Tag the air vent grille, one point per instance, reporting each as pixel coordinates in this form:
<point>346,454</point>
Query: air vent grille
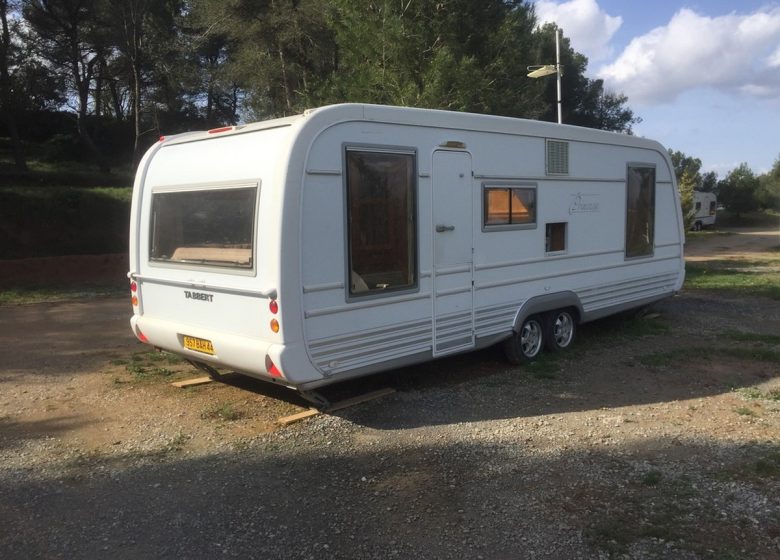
<point>557,157</point>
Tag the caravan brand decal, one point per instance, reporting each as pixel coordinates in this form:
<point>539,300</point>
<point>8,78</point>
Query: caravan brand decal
<point>584,203</point>
<point>198,295</point>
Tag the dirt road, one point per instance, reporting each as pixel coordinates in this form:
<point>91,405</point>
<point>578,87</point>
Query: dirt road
<point>732,243</point>
<point>654,437</point>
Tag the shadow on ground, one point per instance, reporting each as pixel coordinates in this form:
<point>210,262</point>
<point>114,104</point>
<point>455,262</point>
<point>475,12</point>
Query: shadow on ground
<point>451,500</point>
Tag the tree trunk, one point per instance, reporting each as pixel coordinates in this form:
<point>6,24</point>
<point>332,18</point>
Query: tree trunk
<point>119,112</point>
<point>6,95</point>
<point>82,75</point>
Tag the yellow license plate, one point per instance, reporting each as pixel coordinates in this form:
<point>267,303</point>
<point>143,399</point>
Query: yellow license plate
<point>198,344</point>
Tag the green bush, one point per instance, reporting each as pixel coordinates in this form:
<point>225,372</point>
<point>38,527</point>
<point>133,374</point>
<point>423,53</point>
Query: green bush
<point>50,221</point>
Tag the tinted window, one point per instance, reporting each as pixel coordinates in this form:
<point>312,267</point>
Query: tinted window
<point>640,211</point>
<point>381,221</point>
<point>204,227</point>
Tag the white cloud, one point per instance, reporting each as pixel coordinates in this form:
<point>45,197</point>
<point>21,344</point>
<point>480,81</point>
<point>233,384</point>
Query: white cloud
<point>736,53</point>
<point>587,26</point>
<point>774,59</point>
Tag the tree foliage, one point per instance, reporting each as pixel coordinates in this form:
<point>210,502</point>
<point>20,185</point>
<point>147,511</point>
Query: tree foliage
<point>768,192</point>
<point>142,67</point>
<point>683,163</point>
<point>737,191</point>
<point>686,185</point>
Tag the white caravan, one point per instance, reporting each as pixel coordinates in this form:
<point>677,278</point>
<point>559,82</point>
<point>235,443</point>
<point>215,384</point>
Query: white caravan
<point>357,238</point>
<point>705,206</point>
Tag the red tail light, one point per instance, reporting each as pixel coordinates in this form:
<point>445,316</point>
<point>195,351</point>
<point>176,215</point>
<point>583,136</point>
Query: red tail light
<point>142,337</point>
<point>271,368</point>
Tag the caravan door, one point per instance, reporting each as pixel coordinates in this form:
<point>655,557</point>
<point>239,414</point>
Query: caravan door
<point>453,288</point>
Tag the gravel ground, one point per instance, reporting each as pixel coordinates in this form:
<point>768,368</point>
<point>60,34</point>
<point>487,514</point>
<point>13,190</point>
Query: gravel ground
<point>654,437</point>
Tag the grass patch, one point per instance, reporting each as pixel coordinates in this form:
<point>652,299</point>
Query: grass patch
<point>754,393</point>
<point>758,354</point>
<point>743,282</point>
<point>756,470</point>
<point>623,326</point>
<point>150,365</point>
<point>682,355</point>
<point>544,367</point>
<point>652,478</point>
<point>223,411</point>
<point>23,296</point>
<point>753,337</point>
<point>659,359</point>
<point>52,221</point>
<point>745,411</point>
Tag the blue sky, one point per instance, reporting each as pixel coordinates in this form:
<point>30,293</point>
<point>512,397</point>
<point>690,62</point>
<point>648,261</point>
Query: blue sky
<point>704,75</point>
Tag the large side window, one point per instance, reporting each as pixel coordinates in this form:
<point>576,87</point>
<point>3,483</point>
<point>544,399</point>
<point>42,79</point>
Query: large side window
<point>509,206</point>
<point>640,211</point>
<point>381,221</point>
<point>204,227</point>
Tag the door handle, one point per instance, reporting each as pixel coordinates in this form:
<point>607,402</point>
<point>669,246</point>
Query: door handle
<point>442,228</point>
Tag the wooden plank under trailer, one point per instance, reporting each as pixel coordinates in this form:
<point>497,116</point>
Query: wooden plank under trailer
<point>322,404</point>
<point>341,405</point>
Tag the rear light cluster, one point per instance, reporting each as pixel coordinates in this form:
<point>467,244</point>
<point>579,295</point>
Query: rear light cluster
<point>270,366</point>
<point>134,300</point>
<point>273,306</point>
<point>134,293</point>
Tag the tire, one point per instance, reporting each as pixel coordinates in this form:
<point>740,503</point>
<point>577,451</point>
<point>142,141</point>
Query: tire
<point>525,344</point>
<point>697,226</point>
<point>560,330</point>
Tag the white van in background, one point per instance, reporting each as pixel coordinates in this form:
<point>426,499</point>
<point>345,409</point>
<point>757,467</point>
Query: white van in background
<point>705,207</point>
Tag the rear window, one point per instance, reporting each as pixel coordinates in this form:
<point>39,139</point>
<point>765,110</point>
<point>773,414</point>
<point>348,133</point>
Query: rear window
<point>213,227</point>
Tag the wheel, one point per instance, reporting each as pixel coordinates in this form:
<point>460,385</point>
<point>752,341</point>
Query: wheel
<point>560,330</point>
<point>697,226</point>
<point>525,344</point>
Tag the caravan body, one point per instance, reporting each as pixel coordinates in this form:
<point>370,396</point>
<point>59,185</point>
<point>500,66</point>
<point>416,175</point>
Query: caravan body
<point>357,238</point>
<point>705,207</point>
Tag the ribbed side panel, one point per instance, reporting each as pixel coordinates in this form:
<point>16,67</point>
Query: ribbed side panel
<point>626,291</point>
<point>342,353</point>
<point>454,331</point>
<point>496,319</point>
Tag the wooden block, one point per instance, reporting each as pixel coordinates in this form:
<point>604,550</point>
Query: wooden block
<point>191,382</point>
<point>346,403</point>
<point>287,420</point>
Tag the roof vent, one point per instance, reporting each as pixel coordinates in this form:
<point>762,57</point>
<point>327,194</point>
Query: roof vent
<point>557,157</point>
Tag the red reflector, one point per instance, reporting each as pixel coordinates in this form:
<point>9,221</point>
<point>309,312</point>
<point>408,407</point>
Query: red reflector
<point>133,287</point>
<point>162,138</point>
<point>142,337</point>
<point>271,368</point>
<point>274,307</point>
<point>221,129</point>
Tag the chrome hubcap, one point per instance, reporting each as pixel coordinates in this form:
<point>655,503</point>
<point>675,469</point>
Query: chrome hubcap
<point>563,329</point>
<point>531,339</point>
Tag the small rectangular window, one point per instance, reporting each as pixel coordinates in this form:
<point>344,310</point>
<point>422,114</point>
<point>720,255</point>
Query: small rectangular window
<point>381,221</point>
<point>640,211</point>
<point>509,206</point>
<point>698,206</point>
<point>555,237</point>
<point>206,227</point>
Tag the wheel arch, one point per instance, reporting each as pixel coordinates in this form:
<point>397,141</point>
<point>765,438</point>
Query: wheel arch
<point>548,302</point>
